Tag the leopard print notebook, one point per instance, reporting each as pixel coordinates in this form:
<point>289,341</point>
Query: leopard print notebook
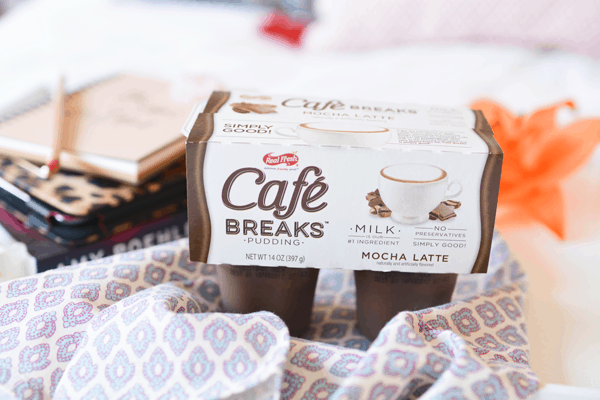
<point>82,195</point>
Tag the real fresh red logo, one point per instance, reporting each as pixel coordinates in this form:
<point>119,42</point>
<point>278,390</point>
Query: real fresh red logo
<point>288,159</point>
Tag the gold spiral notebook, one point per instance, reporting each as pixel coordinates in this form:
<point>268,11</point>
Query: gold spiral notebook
<point>126,128</point>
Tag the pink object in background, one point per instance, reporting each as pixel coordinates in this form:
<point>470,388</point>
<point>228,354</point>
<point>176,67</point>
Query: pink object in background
<point>535,24</point>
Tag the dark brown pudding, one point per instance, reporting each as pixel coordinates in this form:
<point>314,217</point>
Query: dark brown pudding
<point>382,295</point>
<point>286,292</point>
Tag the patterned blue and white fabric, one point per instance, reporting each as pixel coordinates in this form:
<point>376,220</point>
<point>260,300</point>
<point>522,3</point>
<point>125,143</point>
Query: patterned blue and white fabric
<point>146,325</point>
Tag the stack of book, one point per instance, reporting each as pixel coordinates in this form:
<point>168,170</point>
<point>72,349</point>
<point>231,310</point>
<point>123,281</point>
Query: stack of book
<point>121,183</point>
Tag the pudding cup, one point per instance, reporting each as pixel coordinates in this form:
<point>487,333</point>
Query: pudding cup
<point>287,292</point>
<point>380,296</point>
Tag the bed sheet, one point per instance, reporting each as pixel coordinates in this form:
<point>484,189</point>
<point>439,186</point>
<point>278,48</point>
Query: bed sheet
<point>147,324</point>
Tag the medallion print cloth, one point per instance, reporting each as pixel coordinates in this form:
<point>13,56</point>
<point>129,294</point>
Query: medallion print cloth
<point>146,325</point>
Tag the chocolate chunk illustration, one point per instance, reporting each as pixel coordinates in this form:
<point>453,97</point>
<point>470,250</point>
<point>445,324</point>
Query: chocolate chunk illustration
<point>448,217</point>
<point>246,96</point>
<point>255,108</point>
<point>372,195</point>
<point>442,212</point>
<point>452,203</point>
<point>263,108</point>
<point>383,211</point>
<point>374,200</point>
<point>240,110</point>
<point>377,206</point>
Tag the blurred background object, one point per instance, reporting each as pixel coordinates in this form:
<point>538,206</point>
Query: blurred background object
<point>544,25</point>
<point>539,155</point>
<point>5,5</point>
<point>15,261</point>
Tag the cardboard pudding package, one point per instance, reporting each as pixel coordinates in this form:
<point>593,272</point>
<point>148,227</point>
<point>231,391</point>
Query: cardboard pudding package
<point>281,186</point>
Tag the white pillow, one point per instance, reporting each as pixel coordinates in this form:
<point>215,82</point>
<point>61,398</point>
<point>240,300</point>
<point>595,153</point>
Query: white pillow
<point>570,25</point>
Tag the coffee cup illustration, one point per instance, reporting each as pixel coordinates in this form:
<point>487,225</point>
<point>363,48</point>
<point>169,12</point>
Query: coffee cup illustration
<point>411,191</point>
<point>339,133</point>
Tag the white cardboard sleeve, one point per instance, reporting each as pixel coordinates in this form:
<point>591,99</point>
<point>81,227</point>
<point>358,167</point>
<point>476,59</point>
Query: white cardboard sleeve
<point>296,181</point>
